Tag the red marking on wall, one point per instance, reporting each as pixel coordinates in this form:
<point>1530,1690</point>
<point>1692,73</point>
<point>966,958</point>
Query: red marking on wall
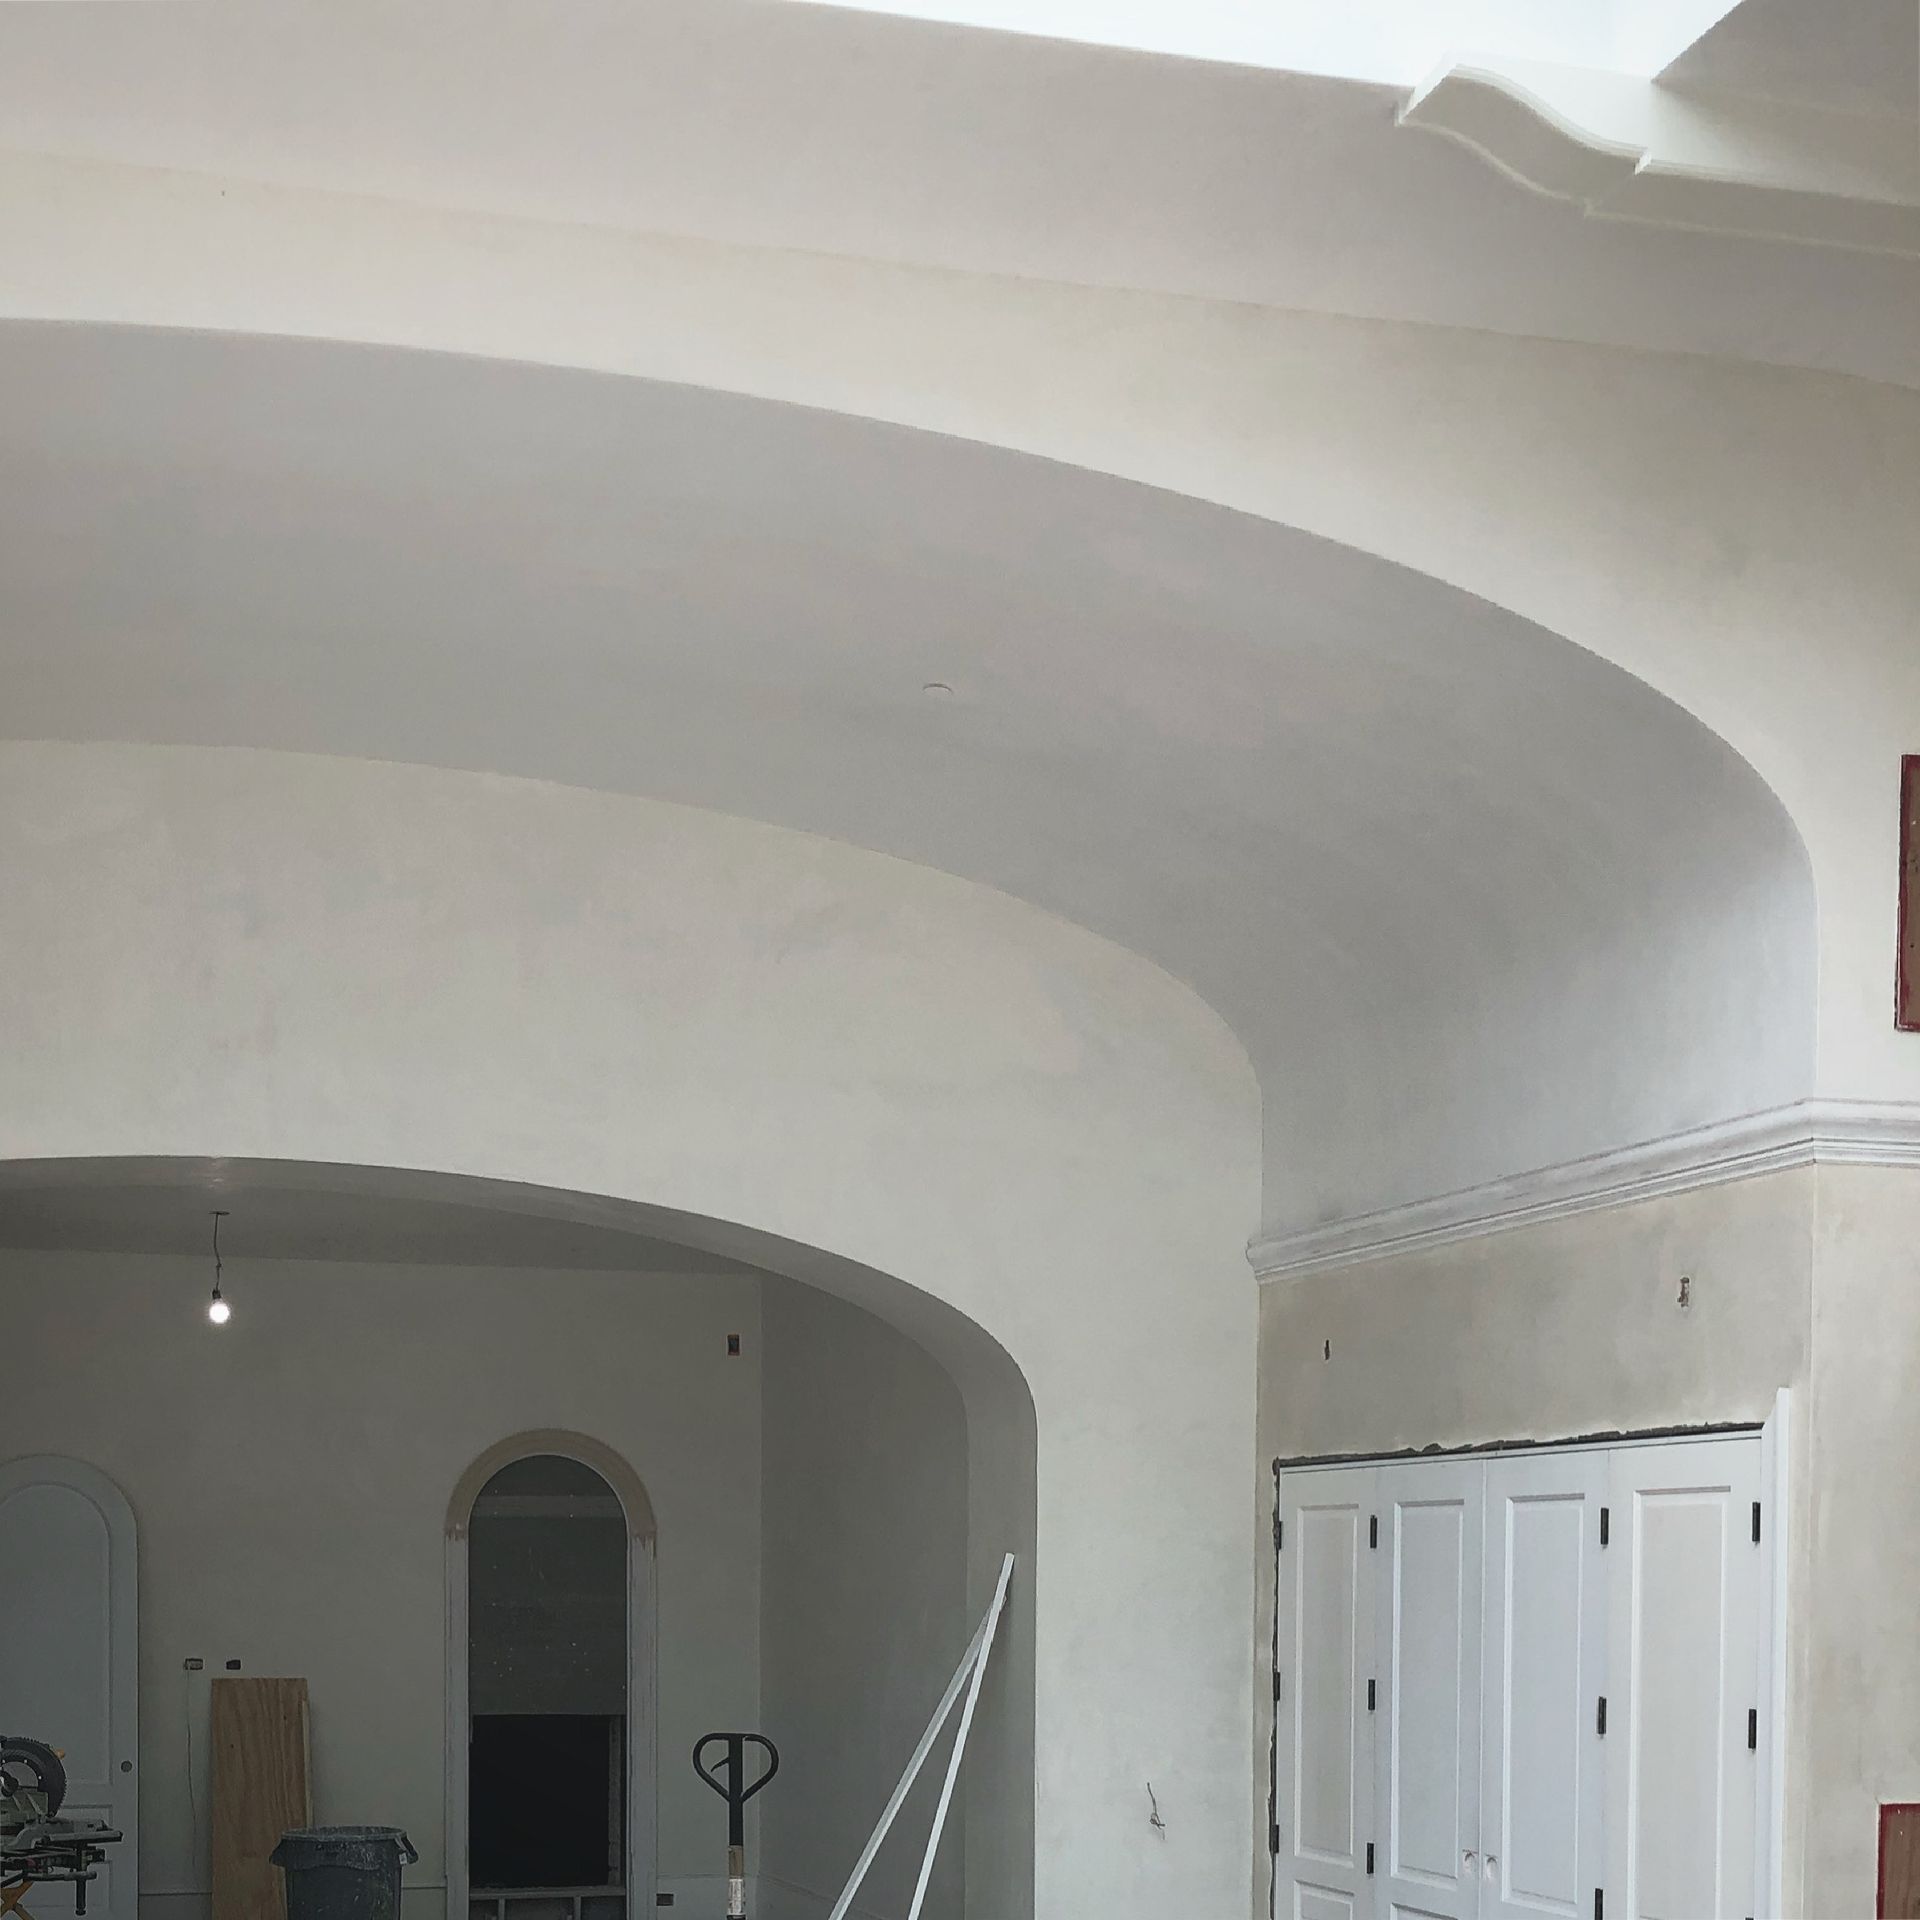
<point>1906,992</point>
<point>1897,1877</point>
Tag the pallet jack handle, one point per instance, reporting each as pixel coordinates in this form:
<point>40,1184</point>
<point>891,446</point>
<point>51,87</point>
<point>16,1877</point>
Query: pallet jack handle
<point>736,1790</point>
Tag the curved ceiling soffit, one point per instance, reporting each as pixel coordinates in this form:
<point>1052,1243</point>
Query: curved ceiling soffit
<point>1407,844</point>
<point>290,1192</point>
<point>395,278</point>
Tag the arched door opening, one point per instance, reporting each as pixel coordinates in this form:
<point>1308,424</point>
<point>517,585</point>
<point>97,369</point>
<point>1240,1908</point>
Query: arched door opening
<point>69,1672</point>
<point>550,1696</point>
<point>464,1406</point>
<point>547,1690</point>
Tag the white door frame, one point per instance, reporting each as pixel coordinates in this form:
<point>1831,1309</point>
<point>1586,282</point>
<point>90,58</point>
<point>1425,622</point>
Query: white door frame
<point>1776,1485</point>
<point>642,1870</point>
<point>123,1625</point>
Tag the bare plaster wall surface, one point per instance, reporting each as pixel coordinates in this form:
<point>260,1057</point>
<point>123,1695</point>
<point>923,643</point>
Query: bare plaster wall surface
<point>231,953</point>
<point>1546,1332</point>
<point>1863,1684</point>
<point>290,1475</point>
<point>865,1608</point>
<point>1568,1327</point>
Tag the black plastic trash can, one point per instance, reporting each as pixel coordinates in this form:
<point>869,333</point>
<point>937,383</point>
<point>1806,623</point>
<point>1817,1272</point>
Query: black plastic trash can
<point>343,1873</point>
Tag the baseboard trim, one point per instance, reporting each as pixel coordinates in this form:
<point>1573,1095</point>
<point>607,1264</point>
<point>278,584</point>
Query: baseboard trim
<point>786,1900</point>
<point>1824,1132</point>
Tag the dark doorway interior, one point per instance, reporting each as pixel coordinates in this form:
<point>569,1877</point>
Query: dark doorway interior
<point>547,1687</point>
<point>547,1794</point>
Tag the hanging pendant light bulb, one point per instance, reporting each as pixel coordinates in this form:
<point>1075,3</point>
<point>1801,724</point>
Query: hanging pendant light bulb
<point>217,1309</point>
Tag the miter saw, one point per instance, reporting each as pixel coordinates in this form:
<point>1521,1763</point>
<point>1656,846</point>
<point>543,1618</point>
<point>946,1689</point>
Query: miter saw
<point>36,1844</point>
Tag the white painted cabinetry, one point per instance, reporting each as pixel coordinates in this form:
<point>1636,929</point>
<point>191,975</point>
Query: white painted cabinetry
<point>1517,1686</point>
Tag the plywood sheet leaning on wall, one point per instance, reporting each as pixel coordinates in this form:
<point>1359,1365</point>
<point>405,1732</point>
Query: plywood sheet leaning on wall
<point>261,1788</point>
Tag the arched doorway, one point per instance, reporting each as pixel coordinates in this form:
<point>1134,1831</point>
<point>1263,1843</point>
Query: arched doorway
<point>875,1449</point>
<point>69,1640</point>
<point>551,1761</point>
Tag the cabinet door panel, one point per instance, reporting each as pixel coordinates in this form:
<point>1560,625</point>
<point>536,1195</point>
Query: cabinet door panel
<point>1427,1738</point>
<point>1544,1782</point>
<point>1325,1752</point>
<point>1686,1584</point>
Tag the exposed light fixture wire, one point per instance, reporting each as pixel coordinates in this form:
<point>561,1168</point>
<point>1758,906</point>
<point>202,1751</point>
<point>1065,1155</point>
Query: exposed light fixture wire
<point>217,1309</point>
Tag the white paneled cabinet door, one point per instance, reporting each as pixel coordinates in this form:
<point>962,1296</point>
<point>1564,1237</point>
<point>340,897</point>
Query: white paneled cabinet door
<point>69,1654</point>
<point>1427,1727</point>
<point>1325,1749</point>
<point>1686,1581</point>
<point>1544,1787</point>
<point>1427,1763</point>
<point>1537,1697</point>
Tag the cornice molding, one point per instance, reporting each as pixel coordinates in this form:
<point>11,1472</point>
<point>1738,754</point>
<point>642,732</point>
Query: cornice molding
<point>1674,161</point>
<point>1822,1132</point>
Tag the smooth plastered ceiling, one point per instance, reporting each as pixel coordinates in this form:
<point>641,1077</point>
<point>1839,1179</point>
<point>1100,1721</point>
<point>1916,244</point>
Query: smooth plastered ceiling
<point>1453,881</point>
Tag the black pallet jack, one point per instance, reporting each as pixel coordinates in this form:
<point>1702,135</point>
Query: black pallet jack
<point>735,1790</point>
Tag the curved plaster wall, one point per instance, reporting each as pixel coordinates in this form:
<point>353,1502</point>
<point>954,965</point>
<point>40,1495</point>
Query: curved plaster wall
<point>1737,537</point>
<point>1473,899</point>
<point>269,955</point>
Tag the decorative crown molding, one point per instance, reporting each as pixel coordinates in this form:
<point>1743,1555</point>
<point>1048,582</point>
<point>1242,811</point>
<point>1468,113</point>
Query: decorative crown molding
<point>1628,149</point>
<point>1824,1132</point>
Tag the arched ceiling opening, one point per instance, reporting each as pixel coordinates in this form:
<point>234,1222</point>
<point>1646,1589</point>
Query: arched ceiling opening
<point>320,1211</point>
<point>1473,899</point>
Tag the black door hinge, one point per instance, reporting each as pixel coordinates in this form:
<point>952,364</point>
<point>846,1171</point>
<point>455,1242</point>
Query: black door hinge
<point>1606,1518</point>
<point>1600,1718</point>
<point>1279,1533</point>
<point>1373,1529</point>
<point>1369,1856</point>
<point>1756,1523</point>
<point>1273,1839</point>
<point>1370,1705</point>
<point>1753,1729</point>
<point>1599,1904</point>
<point>1276,1686</point>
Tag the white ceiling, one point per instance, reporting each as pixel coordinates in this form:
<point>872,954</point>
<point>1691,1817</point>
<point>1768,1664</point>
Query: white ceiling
<point>1399,42</point>
<point>764,123</point>
<point>1848,56</point>
<point>1472,898</point>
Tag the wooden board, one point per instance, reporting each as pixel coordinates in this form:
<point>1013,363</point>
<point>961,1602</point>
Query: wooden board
<point>1899,1862</point>
<point>260,1790</point>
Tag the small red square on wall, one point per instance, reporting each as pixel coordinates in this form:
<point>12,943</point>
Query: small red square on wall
<point>1906,991</point>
